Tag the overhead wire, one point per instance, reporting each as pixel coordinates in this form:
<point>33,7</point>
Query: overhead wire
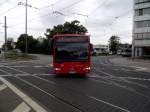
<point>71,5</point>
<point>59,10</point>
<point>104,2</point>
<point>49,6</point>
<point>115,17</point>
<point>2,3</point>
<point>43,8</point>
<point>52,10</point>
<point>9,10</point>
<point>102,5</point>
<point>66,8</point>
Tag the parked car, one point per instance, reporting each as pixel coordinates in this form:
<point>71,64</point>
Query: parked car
<point>119,52</point>
<point>17,50</point>
<point>127,52</point>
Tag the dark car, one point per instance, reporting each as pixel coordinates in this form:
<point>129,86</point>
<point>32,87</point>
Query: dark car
<point>126,52</point>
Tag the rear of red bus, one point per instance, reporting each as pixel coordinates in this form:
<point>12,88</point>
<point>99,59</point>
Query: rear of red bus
<point>71,54</point>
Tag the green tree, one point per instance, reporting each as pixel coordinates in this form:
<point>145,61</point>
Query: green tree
<point>9,44</point>
<point>72,27</point>
<point>43,46</point>
<point>114,43</point>
<point>21,42</point>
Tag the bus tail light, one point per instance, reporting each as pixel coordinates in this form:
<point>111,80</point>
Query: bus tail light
<point>57,69</point>
<point>87,68</point>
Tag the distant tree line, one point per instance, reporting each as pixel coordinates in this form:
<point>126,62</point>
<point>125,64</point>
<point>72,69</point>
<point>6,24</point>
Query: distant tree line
<point>43,45</point>
<point>39,45</point>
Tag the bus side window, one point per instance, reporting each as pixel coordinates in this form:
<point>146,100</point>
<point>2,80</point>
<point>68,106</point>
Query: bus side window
<point>51,46</point>
<point>91,49</point>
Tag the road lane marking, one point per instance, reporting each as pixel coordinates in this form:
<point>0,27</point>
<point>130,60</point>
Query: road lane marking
<point>141,69</point>
<point>4,72</point>
<point>28,74</point>
<point>108,82</point>
<point>17,70</point>
<point>135,78</point>
<point>137,68</point>
<point>122,86</point>
<point>120,79</point>
<point>23,96</point>
<point>111,76</point>
<point>15,62</point>
<point>37,66</point>
<point>52,82</point>
<point>25,66</point>
<point>38,74</point>
<point>2,87</point>
<point>54,96</point>
<point>23,107</point>
<point>128,88</point>
<point>134,83</point>
<point>24,71</point>
<point>49,94</point>
<point>107,103</point>
<point>108,77</point>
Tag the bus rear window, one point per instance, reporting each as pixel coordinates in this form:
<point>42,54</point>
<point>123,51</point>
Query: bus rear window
<point>72,39</point>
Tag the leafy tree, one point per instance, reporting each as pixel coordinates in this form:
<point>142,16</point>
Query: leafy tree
<point>31,43</point>
<point>9,44</point>
<point>44,45</point>
<point>72,27</point>
<point>114,43</point>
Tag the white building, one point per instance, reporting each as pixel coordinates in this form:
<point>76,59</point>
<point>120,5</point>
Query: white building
<point>141,28</point>
<point>101,49</point>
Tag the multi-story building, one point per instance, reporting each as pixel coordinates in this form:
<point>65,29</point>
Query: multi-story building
<point>100,49</point>
<point>141,28</point>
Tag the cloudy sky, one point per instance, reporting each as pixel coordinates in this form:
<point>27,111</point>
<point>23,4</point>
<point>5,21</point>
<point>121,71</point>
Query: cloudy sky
<point>102,18</point>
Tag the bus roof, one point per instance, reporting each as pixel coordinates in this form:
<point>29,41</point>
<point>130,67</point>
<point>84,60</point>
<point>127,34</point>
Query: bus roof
<point>59,35</point>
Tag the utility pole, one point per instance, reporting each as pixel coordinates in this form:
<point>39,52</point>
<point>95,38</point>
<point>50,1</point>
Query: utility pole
<point>26,22</point>
<point>5,28</point>
<point>26,25</point>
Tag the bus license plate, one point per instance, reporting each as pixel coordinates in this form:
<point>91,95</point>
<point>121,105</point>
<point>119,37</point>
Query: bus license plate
<point>72,72</point>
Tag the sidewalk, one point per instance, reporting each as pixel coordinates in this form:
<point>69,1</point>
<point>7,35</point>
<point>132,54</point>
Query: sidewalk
<point>9,100</point>
<point>139,63</point>
<point>14,100</point>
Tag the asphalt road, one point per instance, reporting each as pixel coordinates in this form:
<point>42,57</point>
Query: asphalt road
<point>108,88</point>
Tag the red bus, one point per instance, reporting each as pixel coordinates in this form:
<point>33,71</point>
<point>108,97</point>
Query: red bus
<point>71,54</point>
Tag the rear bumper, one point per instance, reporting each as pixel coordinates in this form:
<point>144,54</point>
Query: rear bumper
<point>72,68</point>
<point>59,72</point>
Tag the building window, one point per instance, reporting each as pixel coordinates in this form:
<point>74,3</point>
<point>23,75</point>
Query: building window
<point>142,24</point>
<point>141,36</point>
<point>140,12</point>
<point>145,35</point>
<point>141,1</point>
<point>146,11</point>
<point>148,35</point>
